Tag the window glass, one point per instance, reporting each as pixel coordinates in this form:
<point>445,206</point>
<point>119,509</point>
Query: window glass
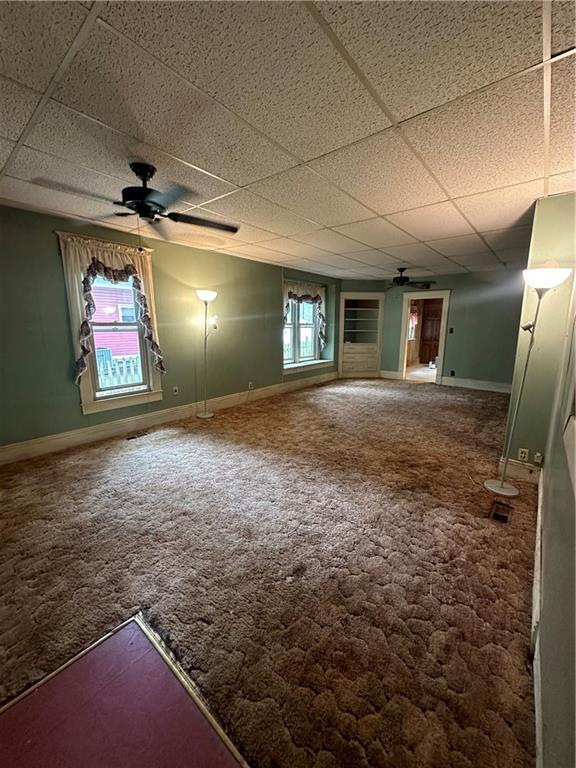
<point>307,313</point>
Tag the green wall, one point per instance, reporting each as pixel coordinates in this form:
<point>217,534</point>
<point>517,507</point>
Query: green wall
<point>37,393</point>
<point>558,593</point>
<point>484,312</point>
<point>553,238</point>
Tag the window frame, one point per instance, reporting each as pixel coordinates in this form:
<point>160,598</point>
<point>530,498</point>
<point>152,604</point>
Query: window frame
<point>295,326</point>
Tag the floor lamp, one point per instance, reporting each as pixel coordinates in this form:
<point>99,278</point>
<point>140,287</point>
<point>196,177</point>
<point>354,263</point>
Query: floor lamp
<point>541,280</point>
<point>209,326</point>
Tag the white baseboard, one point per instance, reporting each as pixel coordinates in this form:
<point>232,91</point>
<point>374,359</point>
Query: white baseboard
<point>59,442</point>
<point>390,375</point>
<point>488,386</point>
<point>521,470</point>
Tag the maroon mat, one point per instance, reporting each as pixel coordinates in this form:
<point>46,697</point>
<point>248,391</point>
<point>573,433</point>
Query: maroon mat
<point>118,706</point>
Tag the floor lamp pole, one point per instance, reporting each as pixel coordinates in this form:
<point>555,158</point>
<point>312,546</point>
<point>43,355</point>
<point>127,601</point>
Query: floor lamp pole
<point>205,414</point>
<point>500,486</point>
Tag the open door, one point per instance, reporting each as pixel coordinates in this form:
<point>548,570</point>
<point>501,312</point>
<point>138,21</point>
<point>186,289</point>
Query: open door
<point>422,341</point>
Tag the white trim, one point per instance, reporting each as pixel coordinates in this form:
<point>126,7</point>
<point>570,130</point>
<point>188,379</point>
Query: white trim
<point>521,470</point>
<point>407,297</point>
<point>59,442</point>
<point>379,295</point>
<point>121,401</point>
<point>488,386</point>
<point>390,375</point>
<point>309,366</point>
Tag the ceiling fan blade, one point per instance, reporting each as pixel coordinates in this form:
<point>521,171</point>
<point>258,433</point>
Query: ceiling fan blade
<point>184,218</point>
<point>58,187</point>
<point>128,213</point>
<point>160,226</point>
<point>170,197</point>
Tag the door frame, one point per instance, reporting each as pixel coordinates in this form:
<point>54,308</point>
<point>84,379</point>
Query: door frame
<point>360,295</point>
<point>407,297</point>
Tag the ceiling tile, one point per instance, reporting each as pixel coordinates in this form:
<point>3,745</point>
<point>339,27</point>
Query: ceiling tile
<point>448,269</point>
<point>473,259</point>
<point>563,25</point>
<point>492,267</point>
<point>200,237</point>
<point>421,54</point>
<point>274,66</point>
<point>60,202</point>
<point>5,148</point>
<point>118,83</point>
<point>17,103</point>
<point>416,252</point>
<point>506,239</point>
<point>62,132</point>
<point>382,173</point>
<point>296,249</point>
<point>375,232</point>
<point>487,139</point>
<point>563,116</point>
<point>335,260</point>
<point>259,252</point>
<point>374,258</point>
<point>245,206</point>
<point>246,233</point>
<point>304,192</point>
<point>54,173</point>
<point>432,222</point>
<point>329,241</point>
<point>34,38</point>
<point>459,246</point>
<point>563,182</point>
<point>502,208</point>
<point>517,258</point>
<point>375,272</point>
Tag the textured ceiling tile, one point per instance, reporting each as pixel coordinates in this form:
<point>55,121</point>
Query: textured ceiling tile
<point>244,206</point>
<point>503,208</point>
<point>268,61</point>
<point>495,266</point>
<point>118,83</point>
<point>416,252</point>
<point>458,246</point>
<point>259,252</point>
<point>5,149</point>
<point>34,38</point>
<point>296,249</point>
<point>487,139</point>
<point>563,25</point>
<point>432,222</point>
<point>563,182</point>
<point>563,116</point>
<point>304,192</point>
<point>199,237</point>
<point>329,241</point>
<point>517,258</point>
<point>506,239</point>
<point>448,269</point>
<point>421,54</point>
<point>71,136</point>
<point>53,173</point>
<point>60,202</point>
<point>382,173</point>
<point>375,258</point>
<point>375,232</point>
<point>473,259</point>
<point>335,260</point>
<point>17,104</point>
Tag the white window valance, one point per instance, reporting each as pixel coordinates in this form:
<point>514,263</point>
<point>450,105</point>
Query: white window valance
<point>84,259</point>
<point>308,293</point>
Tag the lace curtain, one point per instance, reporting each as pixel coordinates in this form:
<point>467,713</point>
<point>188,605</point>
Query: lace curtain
<point>308,293</point>
<point>84,260</point>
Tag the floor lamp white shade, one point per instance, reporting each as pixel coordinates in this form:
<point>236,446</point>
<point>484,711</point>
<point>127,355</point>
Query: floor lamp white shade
<point>541,279</point>
<point>206,297</point>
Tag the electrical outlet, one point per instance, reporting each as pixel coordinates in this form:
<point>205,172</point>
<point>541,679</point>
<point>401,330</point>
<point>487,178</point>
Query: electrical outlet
<point>174,390</point>
<point>523,454</point>
<point>250,385</point>
<point>538,458</point>
<point>452,373</point>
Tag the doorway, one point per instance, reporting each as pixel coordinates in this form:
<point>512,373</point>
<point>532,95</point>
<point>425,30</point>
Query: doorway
<point>424,319</point>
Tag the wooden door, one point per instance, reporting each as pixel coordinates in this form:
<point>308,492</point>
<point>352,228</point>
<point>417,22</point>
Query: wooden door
<point>430,334</point>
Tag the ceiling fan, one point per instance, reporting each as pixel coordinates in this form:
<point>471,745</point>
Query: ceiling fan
<point>146,203</point>
<point>152,205</point>
<point>402,279</point>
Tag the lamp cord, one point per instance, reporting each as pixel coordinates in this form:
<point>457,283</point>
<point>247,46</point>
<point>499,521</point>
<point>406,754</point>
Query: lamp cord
<point>532,332</point>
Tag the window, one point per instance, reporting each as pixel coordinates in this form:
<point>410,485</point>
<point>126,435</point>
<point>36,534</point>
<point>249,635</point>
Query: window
<point>301,333</point>
<point>119,363</point>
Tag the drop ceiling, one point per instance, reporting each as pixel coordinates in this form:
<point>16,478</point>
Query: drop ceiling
<point>346,139</point>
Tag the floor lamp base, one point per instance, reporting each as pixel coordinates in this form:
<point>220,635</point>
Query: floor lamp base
<point>205,415</point>
<point>504,489</point>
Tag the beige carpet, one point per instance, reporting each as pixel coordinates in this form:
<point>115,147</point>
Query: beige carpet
<point>321,563</point>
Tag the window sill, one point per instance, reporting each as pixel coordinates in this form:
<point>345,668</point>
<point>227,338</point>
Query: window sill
<point>122,401</point>
<point>310,365</point>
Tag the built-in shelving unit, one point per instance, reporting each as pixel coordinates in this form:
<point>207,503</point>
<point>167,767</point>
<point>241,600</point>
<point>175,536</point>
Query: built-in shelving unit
<point>360,334</point>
